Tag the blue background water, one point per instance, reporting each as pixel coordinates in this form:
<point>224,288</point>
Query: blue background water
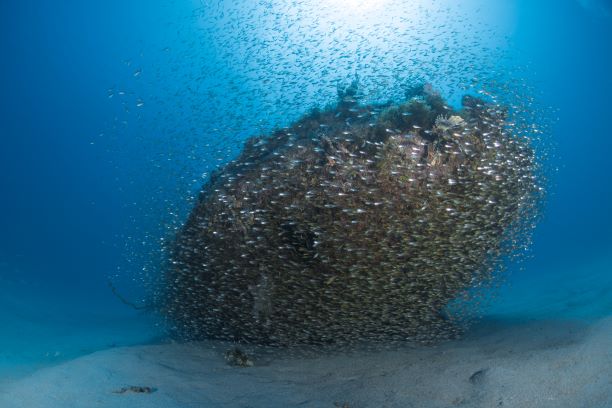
<point>80,194</point>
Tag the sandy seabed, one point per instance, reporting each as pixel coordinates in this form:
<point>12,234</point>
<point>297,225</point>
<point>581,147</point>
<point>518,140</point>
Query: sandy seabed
<point>499,364</point>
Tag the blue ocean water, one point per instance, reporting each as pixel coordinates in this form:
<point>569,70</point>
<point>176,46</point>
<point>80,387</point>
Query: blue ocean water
<point>113,114</point>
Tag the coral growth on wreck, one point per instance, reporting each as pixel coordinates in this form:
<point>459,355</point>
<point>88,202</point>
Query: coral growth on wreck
<point>356,223</point>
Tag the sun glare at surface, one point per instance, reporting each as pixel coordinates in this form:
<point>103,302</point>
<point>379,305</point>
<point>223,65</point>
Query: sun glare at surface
<point>359,5</point>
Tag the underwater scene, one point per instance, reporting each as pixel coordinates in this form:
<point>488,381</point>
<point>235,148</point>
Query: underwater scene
<point>305,203</point>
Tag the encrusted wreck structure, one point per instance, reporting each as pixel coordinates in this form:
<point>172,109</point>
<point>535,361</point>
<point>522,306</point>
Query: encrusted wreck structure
<point>356,223</point>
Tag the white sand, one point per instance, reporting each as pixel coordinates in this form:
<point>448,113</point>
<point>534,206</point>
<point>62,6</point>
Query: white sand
<point>41,325</point>
<point>537,364</point>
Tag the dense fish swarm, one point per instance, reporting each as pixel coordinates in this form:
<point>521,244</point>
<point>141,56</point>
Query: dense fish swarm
<point>356,223</point>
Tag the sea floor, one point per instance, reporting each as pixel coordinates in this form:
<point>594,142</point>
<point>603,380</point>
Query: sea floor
<point>44,325</point>
<point>549,347</point>
<point>500,364</point>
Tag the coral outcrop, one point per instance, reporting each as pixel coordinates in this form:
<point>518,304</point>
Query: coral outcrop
<point>356,223</point>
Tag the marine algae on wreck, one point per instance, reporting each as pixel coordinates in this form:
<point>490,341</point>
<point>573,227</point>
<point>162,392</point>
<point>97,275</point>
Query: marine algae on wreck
<point>356,223</point>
